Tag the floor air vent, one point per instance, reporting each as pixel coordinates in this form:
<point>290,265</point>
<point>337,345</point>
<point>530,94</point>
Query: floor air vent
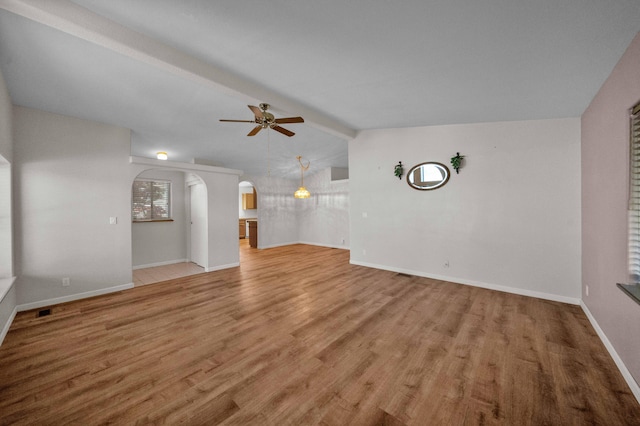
<point>400,274</point>
<point>44,312</point>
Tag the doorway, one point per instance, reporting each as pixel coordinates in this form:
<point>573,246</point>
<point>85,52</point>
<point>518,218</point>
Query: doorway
<point>173,244</point>
<point>248,213</point>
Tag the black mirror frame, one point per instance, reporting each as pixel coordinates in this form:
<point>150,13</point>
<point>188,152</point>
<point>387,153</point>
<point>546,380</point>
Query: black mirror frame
<point>443,183</point>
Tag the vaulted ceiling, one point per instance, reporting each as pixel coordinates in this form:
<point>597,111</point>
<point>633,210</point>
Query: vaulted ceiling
<point>169,70</point>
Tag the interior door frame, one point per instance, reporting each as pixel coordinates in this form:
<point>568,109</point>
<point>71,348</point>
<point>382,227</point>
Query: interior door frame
<point>193,181</point>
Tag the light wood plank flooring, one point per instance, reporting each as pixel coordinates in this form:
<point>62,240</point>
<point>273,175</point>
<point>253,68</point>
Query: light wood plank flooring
<point>298,336</point>
<point>157,274</point>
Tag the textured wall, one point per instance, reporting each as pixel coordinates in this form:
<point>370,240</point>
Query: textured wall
<point>323,219</point>
<point>277,216</point>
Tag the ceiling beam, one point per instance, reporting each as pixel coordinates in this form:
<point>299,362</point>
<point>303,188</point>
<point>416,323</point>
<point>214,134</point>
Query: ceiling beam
<point>80,22</point>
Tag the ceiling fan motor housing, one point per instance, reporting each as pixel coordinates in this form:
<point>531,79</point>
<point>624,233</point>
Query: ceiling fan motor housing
<point>267,120</point>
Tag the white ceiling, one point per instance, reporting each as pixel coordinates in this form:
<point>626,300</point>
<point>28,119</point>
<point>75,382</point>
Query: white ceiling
<point>169,70</point>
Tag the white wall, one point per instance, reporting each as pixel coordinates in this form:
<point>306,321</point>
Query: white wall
<point>6,156</point>
<point>605,185</point>
<point>163,242</point>
<point>71,176</point>
<point>6,122</point>
<point>323,219</point>
<point>510,220</point>
<point>222,193</point>
<point>7,289</point>
<point>6,231</point>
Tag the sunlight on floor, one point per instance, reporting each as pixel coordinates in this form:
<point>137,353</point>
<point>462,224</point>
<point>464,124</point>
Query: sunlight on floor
<point>176,270</point>
<point>166,272</point>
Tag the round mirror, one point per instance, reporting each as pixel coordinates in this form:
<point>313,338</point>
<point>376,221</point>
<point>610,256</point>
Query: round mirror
<point>427,176</point>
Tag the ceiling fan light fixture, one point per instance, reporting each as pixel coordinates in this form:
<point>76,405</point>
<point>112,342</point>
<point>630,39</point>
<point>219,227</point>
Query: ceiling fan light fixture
<point>161,155</point>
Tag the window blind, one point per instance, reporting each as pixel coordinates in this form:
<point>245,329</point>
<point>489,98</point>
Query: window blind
<point>151,200</point>
<point>634,196</point>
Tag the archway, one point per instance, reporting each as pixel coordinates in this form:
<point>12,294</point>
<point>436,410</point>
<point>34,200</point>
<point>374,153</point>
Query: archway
<point>169,226</point>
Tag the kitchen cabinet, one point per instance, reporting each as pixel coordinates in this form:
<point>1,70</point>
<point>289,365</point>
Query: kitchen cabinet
<point>250,200</point>
<point>243,228</point>
<point>253,233</point>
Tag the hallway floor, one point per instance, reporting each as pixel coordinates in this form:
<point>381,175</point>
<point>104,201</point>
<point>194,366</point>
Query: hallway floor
<point>166,272</point>
<point>175,270</point>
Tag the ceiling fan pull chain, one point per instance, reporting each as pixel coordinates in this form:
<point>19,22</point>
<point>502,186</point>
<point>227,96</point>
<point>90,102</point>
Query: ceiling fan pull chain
<point>268,152</point>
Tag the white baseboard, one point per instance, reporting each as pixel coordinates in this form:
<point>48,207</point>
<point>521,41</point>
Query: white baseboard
<point>342,247</point>
<point>167,262</point>
<point>72,297</point>
<point>220,267</point>
<point>518,291</point>
<point>633,385</point>
<point>7,325</point>
<point>277,245</point>
<point>306,243</point>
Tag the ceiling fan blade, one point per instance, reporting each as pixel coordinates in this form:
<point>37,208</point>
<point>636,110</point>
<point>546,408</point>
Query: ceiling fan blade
<point>256,111</point>
<point>290,120</point>
<point>283,131</point>
<point>254,131</point>
<point>238,121</point>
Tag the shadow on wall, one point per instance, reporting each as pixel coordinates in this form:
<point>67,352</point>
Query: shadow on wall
<point>6,237</point>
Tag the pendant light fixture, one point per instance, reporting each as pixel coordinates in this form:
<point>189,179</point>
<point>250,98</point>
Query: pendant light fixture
<point>302,192</point>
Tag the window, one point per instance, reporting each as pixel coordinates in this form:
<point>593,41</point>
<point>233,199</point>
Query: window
<point>634,196</point>
<point>151,200</point>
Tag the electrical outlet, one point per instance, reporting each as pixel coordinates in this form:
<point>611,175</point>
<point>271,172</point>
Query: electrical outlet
<point>446,263</point>
<point>586,289</point>
<point>66,282</point>
<point>113,220</point>
<point>343,241</point>
<point>364,252</point>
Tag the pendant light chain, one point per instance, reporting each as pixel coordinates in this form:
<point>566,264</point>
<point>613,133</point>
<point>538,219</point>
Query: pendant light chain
<point>268,152</point>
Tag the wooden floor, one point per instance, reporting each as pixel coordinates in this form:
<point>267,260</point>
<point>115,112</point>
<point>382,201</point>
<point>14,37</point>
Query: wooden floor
<point>156,274</point>
<point>298,336</point>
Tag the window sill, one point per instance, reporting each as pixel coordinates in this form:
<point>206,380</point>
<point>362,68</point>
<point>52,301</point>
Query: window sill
<point>5,286</point>
<point>152,220</point>
<point>631,290</point>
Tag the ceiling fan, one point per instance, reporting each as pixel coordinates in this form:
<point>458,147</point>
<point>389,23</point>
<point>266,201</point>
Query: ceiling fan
<point>265,120</point>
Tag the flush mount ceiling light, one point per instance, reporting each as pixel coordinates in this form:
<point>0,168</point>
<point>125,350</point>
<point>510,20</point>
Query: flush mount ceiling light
<point>302,191</point>
<point>161,155</point>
